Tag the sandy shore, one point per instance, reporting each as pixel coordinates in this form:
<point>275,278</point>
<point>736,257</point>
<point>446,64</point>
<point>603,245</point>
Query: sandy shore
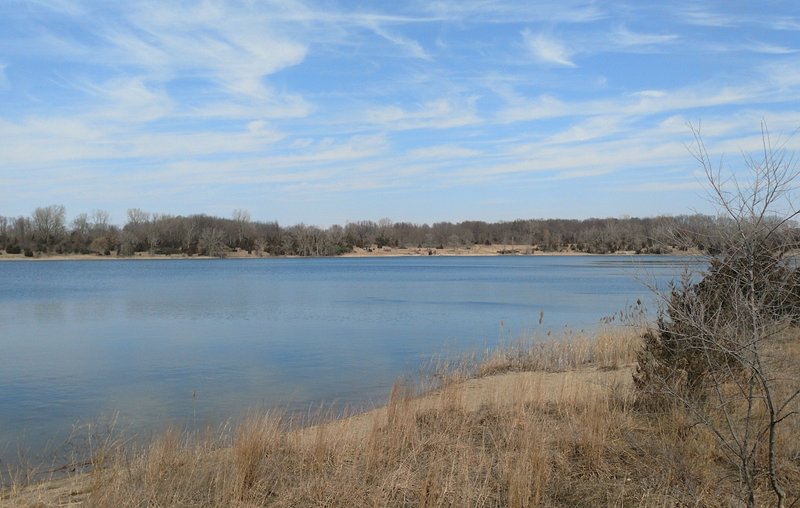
<point>537,388</point>
<point>464,251</point>
<point>470,250</point>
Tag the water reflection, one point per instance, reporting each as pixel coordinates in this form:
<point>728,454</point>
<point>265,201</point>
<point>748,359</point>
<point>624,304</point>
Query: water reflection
<point>48,311</point>
<point>82,341</point>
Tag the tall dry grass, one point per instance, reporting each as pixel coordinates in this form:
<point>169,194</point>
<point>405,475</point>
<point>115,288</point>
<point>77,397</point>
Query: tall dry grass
<point>533,424</point>
<point>606,348</point>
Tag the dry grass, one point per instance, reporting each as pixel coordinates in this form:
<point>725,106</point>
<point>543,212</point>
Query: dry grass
<point>608,348</point>
<point>532,425</point>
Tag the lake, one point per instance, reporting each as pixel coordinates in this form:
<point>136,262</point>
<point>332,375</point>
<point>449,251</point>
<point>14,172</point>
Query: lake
<point>194,342</point>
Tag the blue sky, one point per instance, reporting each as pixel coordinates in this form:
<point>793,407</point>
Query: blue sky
<point>326,112</point>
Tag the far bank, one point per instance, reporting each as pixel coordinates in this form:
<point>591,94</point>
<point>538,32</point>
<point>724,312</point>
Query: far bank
<point>356,252</point>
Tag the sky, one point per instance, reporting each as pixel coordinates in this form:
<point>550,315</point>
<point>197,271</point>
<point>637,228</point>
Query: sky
<point>325,112</point>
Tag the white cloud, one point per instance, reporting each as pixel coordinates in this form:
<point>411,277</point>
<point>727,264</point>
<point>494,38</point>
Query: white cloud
<point>770,49</point>
<point>237,49</point>
<point>64,6</point>
<point>589,129</point>
<point>624,38</point>
<point>520,109</point>
<point>228,51</point>
<point>775,84</point>
<point>542,160</point>
<point>442,152</point>
<point>650,93</point>
<point>411,46</point>
<point>785,23</point>
<point>277,106</point>
<point>566,11</point>
<point>130,100</point>
<point>261,129</point>
<point>242,92</point>
<point>649,187</point>
<point>705,17</point>
<point>546,49</point>
<point>437,114</point>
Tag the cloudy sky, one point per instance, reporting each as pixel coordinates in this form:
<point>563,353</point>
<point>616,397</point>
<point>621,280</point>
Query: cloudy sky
<point>422,111</point>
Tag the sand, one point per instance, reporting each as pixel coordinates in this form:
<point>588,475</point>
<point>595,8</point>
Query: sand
<point>540,388</point>
<point>469,250</point>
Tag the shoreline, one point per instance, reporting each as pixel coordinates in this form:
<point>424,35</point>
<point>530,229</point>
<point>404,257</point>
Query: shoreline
<point>495,383</point>
<point>532,388</point>
<point>386,252</point>
<point>533,424</point>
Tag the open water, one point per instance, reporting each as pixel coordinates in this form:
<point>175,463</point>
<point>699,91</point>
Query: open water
<point>195,342</point>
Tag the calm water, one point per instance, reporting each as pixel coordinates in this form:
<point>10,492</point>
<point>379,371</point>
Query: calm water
<point>195,342</point>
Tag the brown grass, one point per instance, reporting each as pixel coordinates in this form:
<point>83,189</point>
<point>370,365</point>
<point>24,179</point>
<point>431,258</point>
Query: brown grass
<point>534,424</point>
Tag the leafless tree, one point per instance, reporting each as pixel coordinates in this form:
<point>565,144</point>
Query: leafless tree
<point>137,217</point>
<point>719,348</point>
<point>49,224</point>
<point>212,242</point>
<point>243,225</point>
<point>81,227</point>
<point>100,221</point>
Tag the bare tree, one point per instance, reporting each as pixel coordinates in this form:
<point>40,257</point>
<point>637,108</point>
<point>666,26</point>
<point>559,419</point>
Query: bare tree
<point>5,227</point>
<point>137,217</point>
<point>243,222</point>
<point>81,227</point>
<point>212,242</point>
<point>100,221</point>
<point>190,227</point>
<point>718,349</point>
<point>49,224</point>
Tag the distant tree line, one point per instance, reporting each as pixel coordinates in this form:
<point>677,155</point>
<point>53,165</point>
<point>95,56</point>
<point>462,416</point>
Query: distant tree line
<point>46,231</point>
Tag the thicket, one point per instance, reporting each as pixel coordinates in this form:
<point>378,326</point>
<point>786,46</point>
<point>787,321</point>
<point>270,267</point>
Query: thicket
<point>720,348</point>
<point>47,231</point>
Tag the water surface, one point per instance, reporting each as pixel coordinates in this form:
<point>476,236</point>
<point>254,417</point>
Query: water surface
<point>190,342</point>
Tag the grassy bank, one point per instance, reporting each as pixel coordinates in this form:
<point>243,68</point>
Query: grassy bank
<point>553,424</point>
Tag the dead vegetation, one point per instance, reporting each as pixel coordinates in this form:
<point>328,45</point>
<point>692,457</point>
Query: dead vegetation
<point>560,431</point>
<point>712,418</point>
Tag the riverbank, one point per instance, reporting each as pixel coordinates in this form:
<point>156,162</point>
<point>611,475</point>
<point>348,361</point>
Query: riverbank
<point>551,424</point>
<point>461,251</point>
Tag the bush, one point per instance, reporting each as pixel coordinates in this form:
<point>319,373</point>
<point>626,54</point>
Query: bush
<point>702,327</point>
<point>28,253</point>
<point>342,248</point>
<point>719,348</point>
<point>167,251</point>
<point>13,249</point>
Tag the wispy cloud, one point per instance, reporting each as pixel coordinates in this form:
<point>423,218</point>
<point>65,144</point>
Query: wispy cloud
<point>700,16</point>
<point>590,129</point>
<point>130,100</point>
<point>438,114</point>
<point>623,38</point>
<point>411,46</point>
<point>236,50</point>
<point>481,11</point>
<point>770,49</point>
<point>546,49</point>
<point>442,152</point>
<point>646,103</point>
<point>322,102</point>
<point>785,23</point>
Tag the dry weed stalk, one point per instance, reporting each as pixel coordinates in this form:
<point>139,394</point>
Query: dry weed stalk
<point>516,439</point>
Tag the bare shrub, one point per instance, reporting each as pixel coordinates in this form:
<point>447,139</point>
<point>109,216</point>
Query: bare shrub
<point>716,348</point>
